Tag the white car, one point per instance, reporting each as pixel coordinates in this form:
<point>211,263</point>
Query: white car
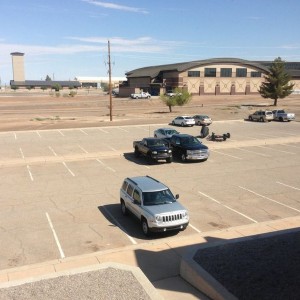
<point>165,133</point>
<point>142,95</point>
<point>184,121</point>
<point>202,120</point>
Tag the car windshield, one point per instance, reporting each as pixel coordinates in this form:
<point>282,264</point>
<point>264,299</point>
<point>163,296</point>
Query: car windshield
<point>269,113</point>
<point>158,198</point>
<point>190,140</point>
<point>155,142</point>
<point>169,132</point>
<point>187,118</point>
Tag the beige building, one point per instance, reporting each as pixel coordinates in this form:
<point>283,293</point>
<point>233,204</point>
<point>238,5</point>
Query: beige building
<point>18,66</point>
<point>219,76</point>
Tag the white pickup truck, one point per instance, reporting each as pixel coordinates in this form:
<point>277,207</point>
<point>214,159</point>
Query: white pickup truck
<point>142,95</point>
<point>281,115</point>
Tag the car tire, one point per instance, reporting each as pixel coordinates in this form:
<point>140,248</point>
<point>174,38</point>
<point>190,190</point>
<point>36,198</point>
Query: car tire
<point>183,157</point>
<point>199,123</point>
<point>169,160</point>
<point>250,118</point>
<point>124,208</point>
<point>182,124</point>
<point>261,119</point>
<point>173,123</point>
<point>145,227</point>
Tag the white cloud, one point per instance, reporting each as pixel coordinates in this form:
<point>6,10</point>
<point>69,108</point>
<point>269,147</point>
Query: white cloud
<point>116,6</point>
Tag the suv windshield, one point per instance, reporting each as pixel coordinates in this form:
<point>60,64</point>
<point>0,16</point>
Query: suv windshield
<point>189,140</point>
<point>158,197</point>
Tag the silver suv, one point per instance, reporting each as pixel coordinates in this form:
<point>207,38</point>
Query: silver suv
<point>153,204</point>
<point>262,116</point>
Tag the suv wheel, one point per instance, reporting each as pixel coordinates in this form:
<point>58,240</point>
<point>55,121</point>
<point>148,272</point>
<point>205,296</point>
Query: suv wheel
<point>183,157</point>
<point>250,118</point>
<point>169,160</point>
<point>261,119</point>
<point>182,124</point>
<point>123,208</point>
<point>145,227</point>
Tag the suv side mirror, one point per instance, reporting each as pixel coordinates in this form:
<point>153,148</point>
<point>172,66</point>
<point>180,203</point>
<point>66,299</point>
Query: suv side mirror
<point>177,196</point>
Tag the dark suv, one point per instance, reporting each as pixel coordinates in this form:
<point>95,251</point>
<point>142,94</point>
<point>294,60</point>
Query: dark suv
<point>188,147</point>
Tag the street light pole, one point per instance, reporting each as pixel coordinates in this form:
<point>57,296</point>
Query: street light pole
<point>109,83</point>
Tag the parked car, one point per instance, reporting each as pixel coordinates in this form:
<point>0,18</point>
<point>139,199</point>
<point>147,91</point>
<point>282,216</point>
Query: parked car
<point>153,149</point>
<point>142,95</point>
<point>172,94</point>
<point>261,116</point>
<point>281,115</point>
<point>153,204</point>
<point>188,147</point>
<point>183,121</point>
<point>202,120</point>
<point>165,133</point>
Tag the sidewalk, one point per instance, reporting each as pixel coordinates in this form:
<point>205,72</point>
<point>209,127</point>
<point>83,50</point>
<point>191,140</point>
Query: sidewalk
<point>162,264</point>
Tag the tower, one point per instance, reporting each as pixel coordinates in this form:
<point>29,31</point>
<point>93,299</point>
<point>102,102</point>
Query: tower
<point>18,66</point>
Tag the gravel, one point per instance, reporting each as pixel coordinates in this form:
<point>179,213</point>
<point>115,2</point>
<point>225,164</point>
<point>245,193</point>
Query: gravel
<point>107,283</point>
<point>261,268</point>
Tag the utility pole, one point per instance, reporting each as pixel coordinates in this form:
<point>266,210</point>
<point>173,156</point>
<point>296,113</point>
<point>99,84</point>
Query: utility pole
<point>109,83</point>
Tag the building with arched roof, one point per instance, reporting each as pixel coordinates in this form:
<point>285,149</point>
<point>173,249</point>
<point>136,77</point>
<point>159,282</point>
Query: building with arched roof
<point>217,76</point>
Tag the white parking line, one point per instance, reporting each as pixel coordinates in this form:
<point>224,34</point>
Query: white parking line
<point>61,252</point>
<point>274,149</point>
<point>132,240</point>
<point>52,151</point>
<point>111,148</point>
<point>22,154</point>
<point>267,198</point>
<point>39,135</point>
<point>292,187</point>
<point>15,135</point>
<point>226,154</point>
<point>30,174</point>
<point>226,206</point>
<point>83,131</point>
<point>104,165</point>
<point>102,130</point>
<point>196,229</point>
<point>246,150</point>
<point>85,151</point>
<point>60,132</point>
<point>68,168</point>
<point>122,129</point>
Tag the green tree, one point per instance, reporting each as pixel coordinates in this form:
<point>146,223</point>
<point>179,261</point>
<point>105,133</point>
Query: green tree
<point>277,85</point>
<point>57,87</point>
<point>48,78</point>
<point>181,97</point>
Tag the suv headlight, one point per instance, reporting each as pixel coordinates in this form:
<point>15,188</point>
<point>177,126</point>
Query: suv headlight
<point>189,152</point>
<point>158,218</point>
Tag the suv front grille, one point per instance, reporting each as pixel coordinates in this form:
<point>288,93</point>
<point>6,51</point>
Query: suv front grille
<point>173,217</point>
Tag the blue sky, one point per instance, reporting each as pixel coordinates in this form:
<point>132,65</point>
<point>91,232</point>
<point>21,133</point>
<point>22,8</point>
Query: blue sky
<point>69,38</point>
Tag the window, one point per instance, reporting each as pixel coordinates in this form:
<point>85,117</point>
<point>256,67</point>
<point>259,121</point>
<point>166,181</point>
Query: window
<point>226,72</point>
<point>210,72</point>
<point>255,74</point>
<point>129,189</point>
<point>124,186</point>
<point>241,72</point>
<point>193,73</point>
<point>136,196</point>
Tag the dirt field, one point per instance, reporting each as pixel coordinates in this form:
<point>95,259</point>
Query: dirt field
<point>38,111</point>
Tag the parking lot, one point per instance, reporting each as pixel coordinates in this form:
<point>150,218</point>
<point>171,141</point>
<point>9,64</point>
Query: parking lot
<point>60,188</point>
